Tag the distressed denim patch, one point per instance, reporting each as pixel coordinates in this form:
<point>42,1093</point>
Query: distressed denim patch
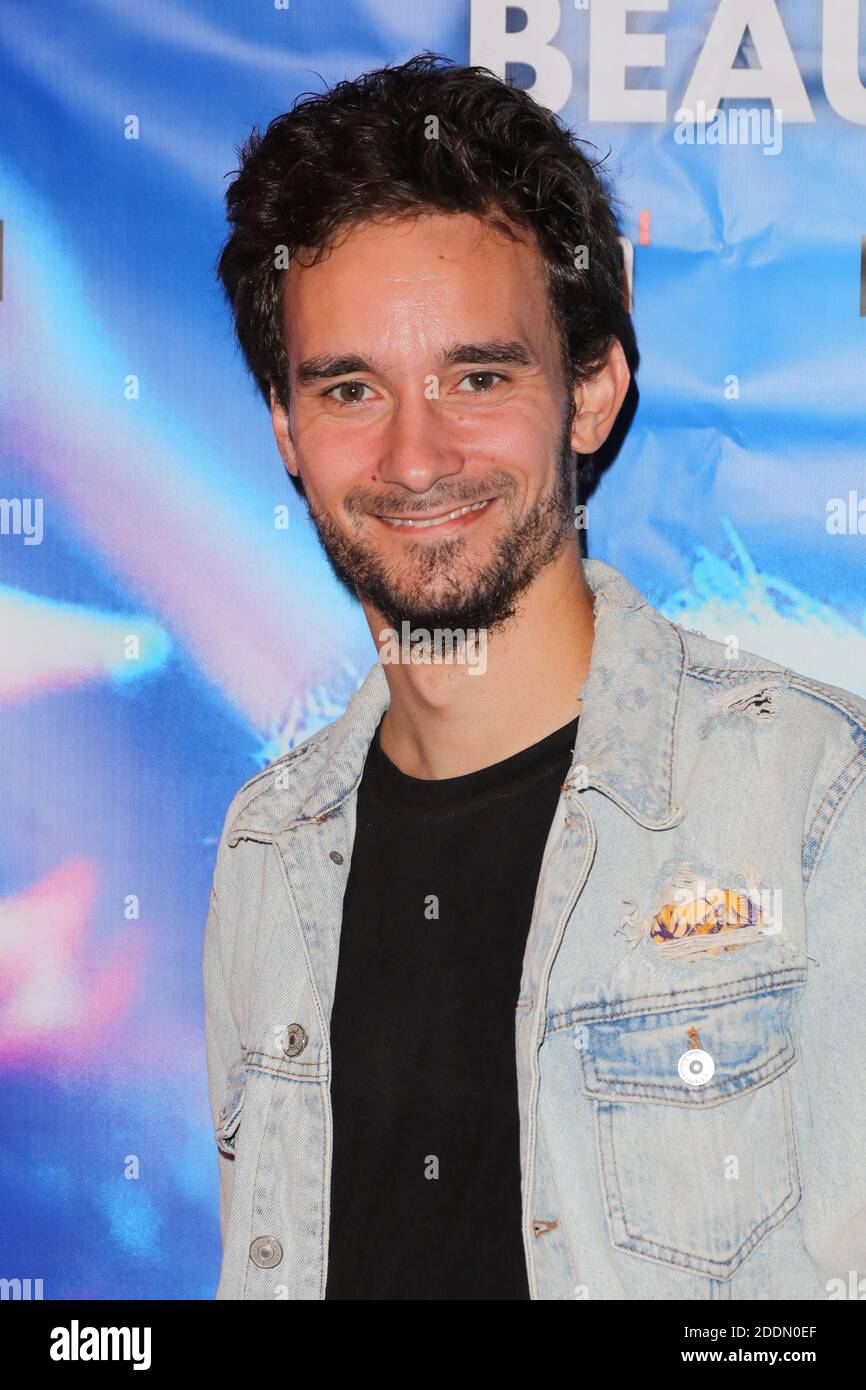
<point>718,910</point>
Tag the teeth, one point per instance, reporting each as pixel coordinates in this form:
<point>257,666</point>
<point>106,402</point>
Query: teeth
<point>439,520</point>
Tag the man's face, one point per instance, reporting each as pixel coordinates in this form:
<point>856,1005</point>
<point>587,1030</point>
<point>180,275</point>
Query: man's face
<point>430,423</point>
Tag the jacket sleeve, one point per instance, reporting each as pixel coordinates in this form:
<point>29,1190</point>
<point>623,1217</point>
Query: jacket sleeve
<point>224,1052</point>
<point>833,1048</point>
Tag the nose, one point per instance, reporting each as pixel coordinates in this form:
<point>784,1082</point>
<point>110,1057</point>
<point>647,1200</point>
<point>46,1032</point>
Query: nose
<point>415,448</point>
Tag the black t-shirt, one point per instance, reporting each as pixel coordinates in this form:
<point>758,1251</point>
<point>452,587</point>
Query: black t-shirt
<point>425,1192</point>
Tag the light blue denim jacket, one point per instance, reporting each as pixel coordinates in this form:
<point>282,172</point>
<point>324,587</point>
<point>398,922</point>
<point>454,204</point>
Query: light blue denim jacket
<point>692,1103</point>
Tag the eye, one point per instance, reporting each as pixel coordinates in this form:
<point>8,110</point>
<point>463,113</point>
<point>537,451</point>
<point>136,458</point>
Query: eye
<point>348,386</point>
<point>484,381</point>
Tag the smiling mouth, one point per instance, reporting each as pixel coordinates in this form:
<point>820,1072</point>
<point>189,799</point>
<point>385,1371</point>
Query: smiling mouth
<point>425,522</point>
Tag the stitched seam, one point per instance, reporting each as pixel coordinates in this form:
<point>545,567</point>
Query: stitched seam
<point>734,1087</point>
<point>830,809</point>
<point>531,1175</point>
<point>609,1162</point>
<point>219,951</point>
<point>561,1244</point>
<point>675,721</point>
<point>786,677</point>
<point>795,1176</point>
<point>323,1254</point>
<point>326,1116</point>
<point>302,940</point>
<point>750,1240</point>
<point>710,673</point>
<point>691,1261</point>
<point>784,980</point>
<point>296,755</point>
<point>249,1260</point>
<point>331,806</point>
<point>277,1063</point>
<point>816,692</point>
<point>286,1076</point>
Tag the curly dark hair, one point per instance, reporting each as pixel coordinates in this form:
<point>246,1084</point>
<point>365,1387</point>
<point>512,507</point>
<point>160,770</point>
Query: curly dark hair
<point>363,149</point>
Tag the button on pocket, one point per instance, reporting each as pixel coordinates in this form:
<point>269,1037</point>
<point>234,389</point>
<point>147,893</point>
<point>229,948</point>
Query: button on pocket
<point>695,1176</point>
<point>230,1113</point>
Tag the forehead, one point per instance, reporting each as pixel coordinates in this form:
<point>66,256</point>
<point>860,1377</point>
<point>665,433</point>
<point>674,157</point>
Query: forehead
<point>416,280</point>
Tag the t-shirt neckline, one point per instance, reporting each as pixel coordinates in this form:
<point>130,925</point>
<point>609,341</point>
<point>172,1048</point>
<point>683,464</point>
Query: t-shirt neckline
<point>450,795</point>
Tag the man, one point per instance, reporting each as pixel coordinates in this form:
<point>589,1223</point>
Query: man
<point>538,973</point>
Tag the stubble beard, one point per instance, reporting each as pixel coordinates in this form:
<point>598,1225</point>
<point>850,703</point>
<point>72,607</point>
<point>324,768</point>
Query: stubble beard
<point>433,587</point>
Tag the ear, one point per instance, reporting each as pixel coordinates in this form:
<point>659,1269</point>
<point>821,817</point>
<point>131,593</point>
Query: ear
<point>283,434</point>
<point>597,402</point>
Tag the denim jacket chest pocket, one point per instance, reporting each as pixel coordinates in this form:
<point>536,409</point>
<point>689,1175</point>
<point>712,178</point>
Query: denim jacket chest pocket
<point>697,1147</point>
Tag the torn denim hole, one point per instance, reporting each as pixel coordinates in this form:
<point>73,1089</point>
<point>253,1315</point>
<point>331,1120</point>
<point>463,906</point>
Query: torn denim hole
<point>697,910</point>
<point>635,929</point>
<point>758,700</point>
<point>755,703</point>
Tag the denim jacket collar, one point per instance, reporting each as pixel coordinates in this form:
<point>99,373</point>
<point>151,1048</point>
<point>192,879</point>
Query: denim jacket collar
<point>626,742</point>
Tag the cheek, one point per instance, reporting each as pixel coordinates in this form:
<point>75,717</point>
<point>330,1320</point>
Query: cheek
<point>333,456</point>
<point>523,433</point>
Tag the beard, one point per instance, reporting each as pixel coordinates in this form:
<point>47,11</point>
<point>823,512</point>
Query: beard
<point>433,585</point>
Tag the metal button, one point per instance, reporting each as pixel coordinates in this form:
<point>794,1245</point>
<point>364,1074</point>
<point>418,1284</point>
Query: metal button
<point>696,1067</point>
<point>294,1040</point>
<point>336,856</point>
<point>266,1252</point>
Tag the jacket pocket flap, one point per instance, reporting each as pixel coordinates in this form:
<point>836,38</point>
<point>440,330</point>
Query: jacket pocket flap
<point>737,1044</point>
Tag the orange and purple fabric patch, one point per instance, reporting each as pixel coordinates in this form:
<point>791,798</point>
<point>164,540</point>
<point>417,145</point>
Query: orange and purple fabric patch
<point>716,911</point>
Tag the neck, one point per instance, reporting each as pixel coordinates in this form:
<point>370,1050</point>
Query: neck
<point>445,720</point>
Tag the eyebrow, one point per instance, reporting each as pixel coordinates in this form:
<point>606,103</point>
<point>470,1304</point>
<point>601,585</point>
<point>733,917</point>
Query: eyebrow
<point>501,351</point>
